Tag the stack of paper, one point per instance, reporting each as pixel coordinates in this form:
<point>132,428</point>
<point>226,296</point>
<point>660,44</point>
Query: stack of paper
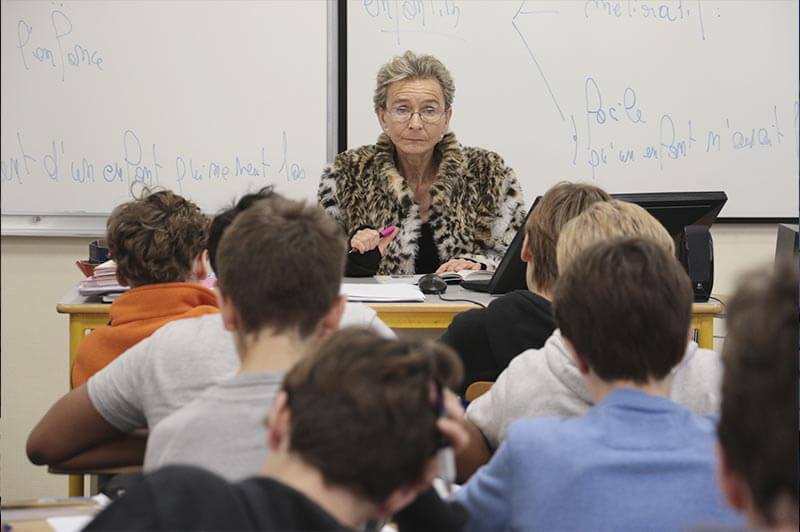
<point>103,281</point>
<point>382,293</point>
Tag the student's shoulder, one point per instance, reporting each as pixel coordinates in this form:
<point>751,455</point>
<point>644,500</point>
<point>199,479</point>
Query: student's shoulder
<point>547,435</point>
<point>183,475</point>
<point>190,335</point>
<point>191,327</point>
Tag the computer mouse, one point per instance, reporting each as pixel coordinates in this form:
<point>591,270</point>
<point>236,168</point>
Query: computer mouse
<point>432,284</point>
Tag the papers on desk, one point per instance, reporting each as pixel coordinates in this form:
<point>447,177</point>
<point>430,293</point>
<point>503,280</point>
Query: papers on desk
<point>74,523</point>
<point>102,281</point>
<point>398,279</point>
<point>382,293</point>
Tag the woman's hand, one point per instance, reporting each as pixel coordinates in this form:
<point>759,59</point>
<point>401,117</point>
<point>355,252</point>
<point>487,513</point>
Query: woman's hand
<point>454,265</point>
<point>369,239</point>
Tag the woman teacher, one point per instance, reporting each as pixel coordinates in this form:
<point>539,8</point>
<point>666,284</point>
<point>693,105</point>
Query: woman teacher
<point>417,201</point>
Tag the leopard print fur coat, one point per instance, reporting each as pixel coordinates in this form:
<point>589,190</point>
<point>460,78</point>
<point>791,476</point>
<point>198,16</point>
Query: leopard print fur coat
<point>476,202</point>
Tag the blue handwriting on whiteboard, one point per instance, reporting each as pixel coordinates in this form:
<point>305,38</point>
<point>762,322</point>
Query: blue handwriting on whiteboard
<point>658,11</point>
<point>416,16</point>
<point>69,53</point>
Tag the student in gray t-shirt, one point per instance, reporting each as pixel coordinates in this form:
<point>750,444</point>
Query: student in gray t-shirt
<point>280,269</point>
<point>152,379</point>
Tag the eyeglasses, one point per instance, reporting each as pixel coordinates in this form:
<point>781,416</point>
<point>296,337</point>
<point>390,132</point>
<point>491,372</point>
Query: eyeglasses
<point>428,114</point>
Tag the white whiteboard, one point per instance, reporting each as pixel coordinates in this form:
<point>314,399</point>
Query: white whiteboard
<point>636,95</point>
<point>207,98</point>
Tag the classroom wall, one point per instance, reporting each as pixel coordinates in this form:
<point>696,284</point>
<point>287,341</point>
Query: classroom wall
<point>36,272</point>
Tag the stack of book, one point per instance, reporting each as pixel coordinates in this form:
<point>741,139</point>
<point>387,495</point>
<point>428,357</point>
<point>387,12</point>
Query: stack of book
<point>102,281</point>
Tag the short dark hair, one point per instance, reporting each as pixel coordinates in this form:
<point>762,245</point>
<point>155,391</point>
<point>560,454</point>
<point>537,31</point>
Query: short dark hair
<point>156,237</point>
<point>560,204</point>
<point>362,412</point>
<point>281,263</point>
<point>758,423</point>
<point>224,218</point>
<point>626,304</point>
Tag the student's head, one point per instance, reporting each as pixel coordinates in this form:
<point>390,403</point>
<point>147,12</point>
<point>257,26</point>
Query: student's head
<point>758,423</point>
<point>158,238</point>
<point>223,219</point>
<point>559,205</point>
<point>607,220</point>
<point>281,264</point>
<point>624,305</point>
<point>362,411</point>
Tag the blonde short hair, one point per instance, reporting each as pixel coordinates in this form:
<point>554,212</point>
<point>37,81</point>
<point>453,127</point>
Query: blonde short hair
<point>607,220</point>
<point>413,66</point>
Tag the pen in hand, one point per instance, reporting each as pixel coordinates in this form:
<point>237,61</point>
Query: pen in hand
<point>383,233</point>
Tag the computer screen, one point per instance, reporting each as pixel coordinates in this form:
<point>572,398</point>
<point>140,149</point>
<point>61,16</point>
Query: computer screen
<point>676,210</point>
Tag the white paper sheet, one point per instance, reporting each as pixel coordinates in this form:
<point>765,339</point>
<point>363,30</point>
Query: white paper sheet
<point>382,292</point>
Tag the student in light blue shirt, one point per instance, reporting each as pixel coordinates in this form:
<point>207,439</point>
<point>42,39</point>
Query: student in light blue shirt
<point>636,460</point>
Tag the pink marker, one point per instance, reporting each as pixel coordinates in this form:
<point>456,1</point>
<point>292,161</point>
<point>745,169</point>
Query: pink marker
<point>388,230</point>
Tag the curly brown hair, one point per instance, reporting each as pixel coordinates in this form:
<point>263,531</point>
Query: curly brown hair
<point>156,237</point>
<point>362,412</point>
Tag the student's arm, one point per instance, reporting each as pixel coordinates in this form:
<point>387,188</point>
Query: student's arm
<point>107,406</point>
<point>125,450</point>
<point>474,455</point>
<point>487,497</point>
<point>70,426</point>
<point>487,418</point>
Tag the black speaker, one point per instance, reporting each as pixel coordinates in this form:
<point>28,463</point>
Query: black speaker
<point>696,253</point>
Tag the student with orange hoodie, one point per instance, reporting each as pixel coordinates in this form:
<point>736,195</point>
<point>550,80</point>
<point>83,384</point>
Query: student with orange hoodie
<point>158,243</point>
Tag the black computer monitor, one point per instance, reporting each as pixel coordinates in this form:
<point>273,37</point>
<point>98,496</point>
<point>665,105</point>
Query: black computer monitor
<point>676,210</point>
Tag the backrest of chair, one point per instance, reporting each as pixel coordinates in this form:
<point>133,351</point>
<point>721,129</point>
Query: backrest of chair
<point>476,389</point>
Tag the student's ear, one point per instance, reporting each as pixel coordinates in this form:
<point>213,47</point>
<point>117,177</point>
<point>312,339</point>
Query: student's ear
<point>730,483</point>
<point>121,280</point>
<point>525,252</point>
<point>200,266</point>
<point>230,316</point>
<point>405,494</point>
<point>330,322</point>
<point>278,423</point>
<point>583,366</point>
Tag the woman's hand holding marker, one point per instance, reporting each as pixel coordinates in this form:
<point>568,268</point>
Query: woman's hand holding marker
<point>369,239</point>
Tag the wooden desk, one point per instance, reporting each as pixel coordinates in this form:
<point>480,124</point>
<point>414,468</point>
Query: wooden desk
<point>432,314</point>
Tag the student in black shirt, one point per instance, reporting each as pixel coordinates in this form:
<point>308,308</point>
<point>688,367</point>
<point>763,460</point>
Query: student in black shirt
<point>353,435</point>
<point>487,339</point>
